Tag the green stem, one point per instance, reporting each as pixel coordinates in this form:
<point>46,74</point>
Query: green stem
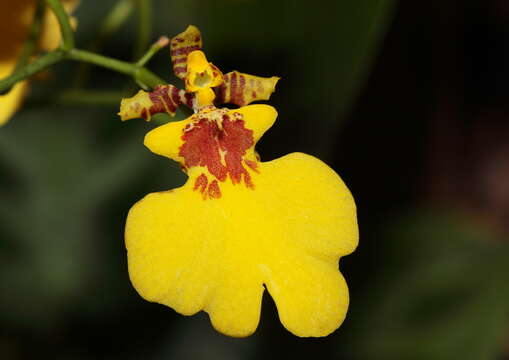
<point>31,69</point>
<point>144,11</point>
<point>143,76</point>
<point>112,22</point>
<point>158,45</point>
<point>101,60</point>
<point>29,46</point>
<point>65,25</point>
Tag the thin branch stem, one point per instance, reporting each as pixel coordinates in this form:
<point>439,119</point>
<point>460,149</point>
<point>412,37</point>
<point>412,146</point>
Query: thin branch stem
<point>141,75</point>
<point>158,45</point>
<point>144,77</point>
<point>33,68</point>
<point>65,25</point>
<point>101,60</point>
<point>31,42</point>
<point>111,23</point>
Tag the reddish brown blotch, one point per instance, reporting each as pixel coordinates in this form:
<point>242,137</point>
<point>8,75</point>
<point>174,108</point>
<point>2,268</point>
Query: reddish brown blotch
<point>221,149</point>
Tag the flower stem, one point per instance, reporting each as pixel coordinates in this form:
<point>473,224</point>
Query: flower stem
<point>111,23</point>
<point>31,69</point>
<point>103,61</point>
<point>29,46</point>
<point>158,45</point>
<point>65,25</point>
<point>140,74</point>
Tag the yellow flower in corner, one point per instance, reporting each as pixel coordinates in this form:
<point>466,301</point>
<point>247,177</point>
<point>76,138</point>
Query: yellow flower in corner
<point>15,19</point>
<point>238,225</point>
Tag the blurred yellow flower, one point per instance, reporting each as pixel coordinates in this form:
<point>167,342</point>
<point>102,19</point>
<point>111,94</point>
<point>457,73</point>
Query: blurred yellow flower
<point>238,224</point>
<point>15,20</point>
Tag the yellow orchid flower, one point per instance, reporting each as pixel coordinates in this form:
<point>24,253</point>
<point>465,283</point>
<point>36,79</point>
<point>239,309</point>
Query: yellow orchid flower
<point>15,19</point>
<point>238,225</point>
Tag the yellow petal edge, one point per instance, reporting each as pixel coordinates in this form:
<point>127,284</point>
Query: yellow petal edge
<point>287,235</point>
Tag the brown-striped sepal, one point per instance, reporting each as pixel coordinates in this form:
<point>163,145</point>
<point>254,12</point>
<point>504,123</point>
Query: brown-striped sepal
<point>181,46</point>
<point>164,98</point>
<point>242,89</point>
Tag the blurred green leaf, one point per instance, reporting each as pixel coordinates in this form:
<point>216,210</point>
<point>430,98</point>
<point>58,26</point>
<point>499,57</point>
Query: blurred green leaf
<point>57,175</point>
<point>440,292</point>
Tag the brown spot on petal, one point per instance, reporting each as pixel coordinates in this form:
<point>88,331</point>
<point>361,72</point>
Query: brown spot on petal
<point>214,190</point>
<point>220,150</point>
<point>201,183</point>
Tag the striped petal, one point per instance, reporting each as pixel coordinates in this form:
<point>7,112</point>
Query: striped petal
<point>164,99</point>
<point>181,45</point>
<point>242,89</point>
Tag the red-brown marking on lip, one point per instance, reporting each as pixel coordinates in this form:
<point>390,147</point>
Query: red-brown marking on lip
<point>201,183</point>
<point>252,164</point>
<point>205,142</point>
<point>214,191</point>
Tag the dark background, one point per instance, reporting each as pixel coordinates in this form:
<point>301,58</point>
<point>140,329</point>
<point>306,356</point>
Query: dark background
<point>407,101</point>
